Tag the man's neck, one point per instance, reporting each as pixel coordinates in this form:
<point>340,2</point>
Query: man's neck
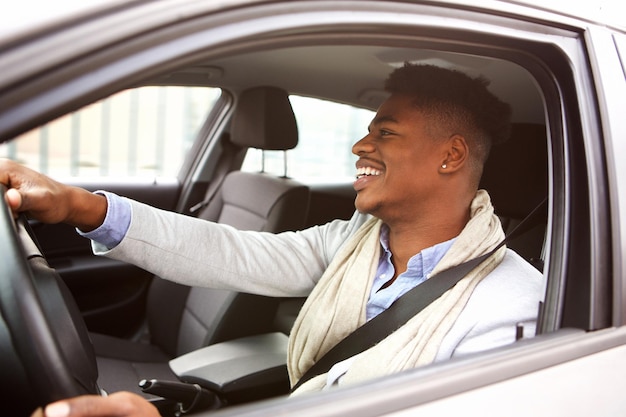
<point>405,243</point>
<point>409,237</point>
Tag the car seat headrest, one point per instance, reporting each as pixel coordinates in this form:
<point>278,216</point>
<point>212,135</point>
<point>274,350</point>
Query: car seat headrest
<point>264,119</point>
<point>516,173</point>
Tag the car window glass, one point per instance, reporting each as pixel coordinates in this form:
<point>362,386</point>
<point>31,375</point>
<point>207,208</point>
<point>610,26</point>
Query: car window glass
<point>141,132</point>
<point>326,131</point>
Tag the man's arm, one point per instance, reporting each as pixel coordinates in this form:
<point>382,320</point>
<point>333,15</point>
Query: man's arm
<point>197,252</point>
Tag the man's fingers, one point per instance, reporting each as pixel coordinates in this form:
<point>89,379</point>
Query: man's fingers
<point>92,406</point>
<point>60,409</point>
<point>37,413</point>
<point>120,404</point>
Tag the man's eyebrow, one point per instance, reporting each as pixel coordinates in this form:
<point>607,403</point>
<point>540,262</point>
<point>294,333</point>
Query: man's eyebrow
<point>383,119</point>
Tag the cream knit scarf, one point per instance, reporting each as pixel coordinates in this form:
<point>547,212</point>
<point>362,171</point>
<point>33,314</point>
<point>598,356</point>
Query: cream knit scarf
<point>336,306</point>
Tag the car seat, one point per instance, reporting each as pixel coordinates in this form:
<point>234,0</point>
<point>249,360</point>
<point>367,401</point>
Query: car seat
<point>182,319</point>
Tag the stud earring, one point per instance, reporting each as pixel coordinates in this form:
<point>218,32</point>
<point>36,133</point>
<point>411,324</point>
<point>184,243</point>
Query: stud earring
<point>444,166</point>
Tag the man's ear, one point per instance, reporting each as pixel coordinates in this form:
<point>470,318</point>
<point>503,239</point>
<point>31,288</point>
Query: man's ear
<point>456,154</point>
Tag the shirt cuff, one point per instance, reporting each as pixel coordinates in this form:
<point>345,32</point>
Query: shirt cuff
<point>116,222</point>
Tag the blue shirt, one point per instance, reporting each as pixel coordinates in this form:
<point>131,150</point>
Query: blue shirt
<point>115,224</point>
<point>418,270</point>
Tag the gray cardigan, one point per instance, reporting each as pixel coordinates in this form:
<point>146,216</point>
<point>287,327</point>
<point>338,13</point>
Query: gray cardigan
<point>200,253</point>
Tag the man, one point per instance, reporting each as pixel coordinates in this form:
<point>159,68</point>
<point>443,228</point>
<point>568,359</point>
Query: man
<point>418,212</point>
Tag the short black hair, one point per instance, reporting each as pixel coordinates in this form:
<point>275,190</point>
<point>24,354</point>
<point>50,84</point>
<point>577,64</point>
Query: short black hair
<point>454,98</point>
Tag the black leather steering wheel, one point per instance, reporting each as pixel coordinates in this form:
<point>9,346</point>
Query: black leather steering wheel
<point>40,325</point>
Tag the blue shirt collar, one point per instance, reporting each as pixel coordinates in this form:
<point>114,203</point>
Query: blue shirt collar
<point>425,261</point>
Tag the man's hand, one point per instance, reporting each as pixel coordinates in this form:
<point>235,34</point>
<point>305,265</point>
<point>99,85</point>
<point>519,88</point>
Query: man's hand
<point>50,201</point>
<point>119,404</point>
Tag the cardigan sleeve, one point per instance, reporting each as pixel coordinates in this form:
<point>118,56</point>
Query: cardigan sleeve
<point>197,252</point>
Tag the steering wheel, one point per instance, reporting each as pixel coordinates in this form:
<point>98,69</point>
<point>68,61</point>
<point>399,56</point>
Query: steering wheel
<point>45,350</point>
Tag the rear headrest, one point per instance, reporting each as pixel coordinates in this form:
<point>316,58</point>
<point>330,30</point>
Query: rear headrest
<point>516,173</point>
<point>264,119</point>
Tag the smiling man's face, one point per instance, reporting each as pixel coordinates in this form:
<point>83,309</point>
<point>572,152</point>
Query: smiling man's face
<point>399,162</point>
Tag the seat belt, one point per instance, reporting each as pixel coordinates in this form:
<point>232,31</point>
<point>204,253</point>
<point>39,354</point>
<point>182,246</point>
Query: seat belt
<point>409,305</point>
<point>231,157</point>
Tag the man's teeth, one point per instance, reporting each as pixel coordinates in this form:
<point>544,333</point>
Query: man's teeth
<point>363,172</point>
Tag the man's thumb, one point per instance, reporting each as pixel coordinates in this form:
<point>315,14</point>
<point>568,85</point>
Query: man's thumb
<point>14,198</point>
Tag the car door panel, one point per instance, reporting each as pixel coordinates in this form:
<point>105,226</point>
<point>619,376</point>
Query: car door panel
<point>110,294</point>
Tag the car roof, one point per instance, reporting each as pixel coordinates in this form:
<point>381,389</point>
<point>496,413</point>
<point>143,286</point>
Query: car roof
<point>26,18</point>
<point>604,12</point>
<point>299,68</point>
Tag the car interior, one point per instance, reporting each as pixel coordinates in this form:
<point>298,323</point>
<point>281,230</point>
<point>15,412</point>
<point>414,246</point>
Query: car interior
<point>196,335</point>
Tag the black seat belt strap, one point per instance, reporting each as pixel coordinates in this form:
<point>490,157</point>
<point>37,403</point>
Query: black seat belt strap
<point>231,157</point>
<point>408,305</point>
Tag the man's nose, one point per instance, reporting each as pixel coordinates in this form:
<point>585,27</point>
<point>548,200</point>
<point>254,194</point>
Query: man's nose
<point>364,145</point>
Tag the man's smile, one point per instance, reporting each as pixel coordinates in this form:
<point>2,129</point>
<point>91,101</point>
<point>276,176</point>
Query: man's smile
<point>367,171</point>
<point>365,174</point>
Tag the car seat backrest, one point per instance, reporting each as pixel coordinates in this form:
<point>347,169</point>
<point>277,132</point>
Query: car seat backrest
<point>263,119</point>
<point>263,202</point>
<point>516,177</point>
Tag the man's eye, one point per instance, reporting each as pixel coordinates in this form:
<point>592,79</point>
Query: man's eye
<point>384,132</point>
